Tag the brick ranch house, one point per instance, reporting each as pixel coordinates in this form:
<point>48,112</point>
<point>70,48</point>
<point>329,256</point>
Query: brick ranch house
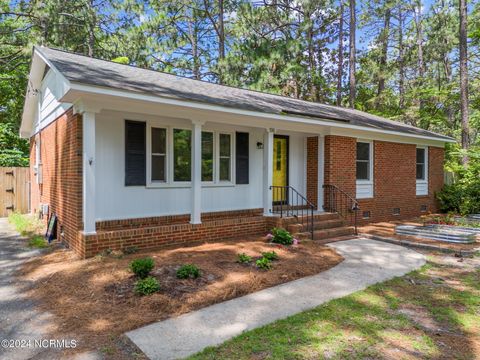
<point>133,157</point>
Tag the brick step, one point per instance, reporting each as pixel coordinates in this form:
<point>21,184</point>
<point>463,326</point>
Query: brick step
<point>333,233</point>
<point>335,239</point>
<point>316,218</point>
<point>327,233</point>
<point>317,225</point>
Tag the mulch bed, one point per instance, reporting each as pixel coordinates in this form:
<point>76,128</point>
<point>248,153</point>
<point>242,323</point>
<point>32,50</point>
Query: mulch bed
<point>387,229</point>
<point>94,301</point>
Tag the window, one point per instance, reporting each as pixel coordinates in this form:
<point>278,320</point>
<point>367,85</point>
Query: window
<point>396,211</point>
<point>366,215</point>
<point>421,164</point>
<point>363,161</point>
<point>159,154</point>
<point>168,156</point>
<point>207,156</point>
<point>182,155</point>
<point>225,157</point>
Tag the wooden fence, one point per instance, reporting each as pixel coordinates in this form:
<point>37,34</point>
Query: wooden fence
<point>14,190</point>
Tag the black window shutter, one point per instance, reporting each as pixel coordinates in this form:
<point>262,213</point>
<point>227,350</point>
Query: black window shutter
<point>135,153</point>
<point>241,160</point>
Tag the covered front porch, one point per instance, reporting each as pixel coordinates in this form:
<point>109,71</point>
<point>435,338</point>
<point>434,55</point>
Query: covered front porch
<point>195,168</point>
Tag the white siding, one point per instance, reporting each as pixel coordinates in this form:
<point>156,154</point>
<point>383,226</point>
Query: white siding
<point>49,108</point>
<point>117,201</point>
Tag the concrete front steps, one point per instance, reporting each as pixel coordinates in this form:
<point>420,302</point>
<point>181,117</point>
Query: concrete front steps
<point>326,226</point>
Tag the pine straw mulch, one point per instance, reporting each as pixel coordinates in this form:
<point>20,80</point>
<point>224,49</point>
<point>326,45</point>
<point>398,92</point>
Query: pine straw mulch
<point>93,300</point>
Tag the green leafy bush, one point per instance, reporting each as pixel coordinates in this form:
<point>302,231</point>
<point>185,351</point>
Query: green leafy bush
<point>263,263</point>
<point>272,255</point>
<point>188,271</point>
<point>147,286</point>
<point>463,195</point>
<point>142,267</point>
<point>244,258</point>
<point>281,236</point>
<point>26,224</point>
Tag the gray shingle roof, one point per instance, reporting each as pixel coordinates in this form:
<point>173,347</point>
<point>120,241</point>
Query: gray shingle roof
<point>91,71</point>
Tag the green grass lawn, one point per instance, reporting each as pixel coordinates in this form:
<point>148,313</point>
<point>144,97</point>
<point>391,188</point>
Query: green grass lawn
<point>431,313</point>
<point>30,227</point>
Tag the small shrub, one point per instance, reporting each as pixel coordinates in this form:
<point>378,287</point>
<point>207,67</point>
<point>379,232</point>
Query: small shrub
<point>281,236</point>
<point>244,258</point>
<point>38,242</point>
<point>26,224</point>
<point>271,256</point>
<point>188,271</point>
<point>263,263</point>
<point>130,250</point>
<point>147,286</point>
<point>142,267</point>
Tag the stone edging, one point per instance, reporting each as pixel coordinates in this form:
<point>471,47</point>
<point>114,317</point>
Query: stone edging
<point>420,245</point>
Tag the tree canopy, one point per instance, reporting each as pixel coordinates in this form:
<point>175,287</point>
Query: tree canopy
<point>398,59</point>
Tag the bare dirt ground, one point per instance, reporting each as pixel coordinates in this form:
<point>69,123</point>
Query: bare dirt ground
<point>93,300</point>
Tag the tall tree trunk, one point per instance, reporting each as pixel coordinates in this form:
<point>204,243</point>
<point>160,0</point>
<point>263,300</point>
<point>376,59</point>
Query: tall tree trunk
<point>352,54</point>
<point>311,61</point>
<point>91,28</point>
<point>401,64</point>
<point>383,58</point>
<point>193,32</point>
<point>340,57</point>
<point>221,36</point>
<point>420,61</point>
<point>464,77</point>
<point>221,31</point>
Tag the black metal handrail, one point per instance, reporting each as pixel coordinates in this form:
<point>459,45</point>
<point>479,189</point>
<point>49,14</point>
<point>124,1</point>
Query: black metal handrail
<point>289,202</point>
<point>338,201</point>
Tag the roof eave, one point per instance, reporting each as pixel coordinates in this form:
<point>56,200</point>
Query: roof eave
<point>78,87</point>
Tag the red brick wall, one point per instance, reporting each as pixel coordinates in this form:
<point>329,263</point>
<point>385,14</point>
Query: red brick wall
<point>312,169</point>
<point>394,177</point>
<point>61,189</point>
<point>152,237</point>
<point>339,167</point>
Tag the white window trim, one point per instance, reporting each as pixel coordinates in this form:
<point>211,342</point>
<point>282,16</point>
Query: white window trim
<point>370,164</point>
<point>422,181</point>
<point>170,183</point>
<point>217,157</point>
<point>149,154</point>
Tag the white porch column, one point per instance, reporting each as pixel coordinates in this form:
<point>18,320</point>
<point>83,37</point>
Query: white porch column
<point>267,171</point>
<point>321,171</point>
<point>88,172</point>
<point>196,214</point>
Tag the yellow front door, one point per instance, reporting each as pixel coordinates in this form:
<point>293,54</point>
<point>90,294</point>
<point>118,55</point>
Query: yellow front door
<point>280,168</point>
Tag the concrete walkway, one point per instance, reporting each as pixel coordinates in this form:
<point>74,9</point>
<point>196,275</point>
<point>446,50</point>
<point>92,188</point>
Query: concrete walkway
<point>366,262</point>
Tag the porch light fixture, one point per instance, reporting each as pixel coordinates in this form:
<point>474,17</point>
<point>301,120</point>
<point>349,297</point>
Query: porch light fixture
<point>259,145</point>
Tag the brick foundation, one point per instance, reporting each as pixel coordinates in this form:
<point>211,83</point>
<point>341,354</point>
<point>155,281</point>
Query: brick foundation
<point>394,177</point>
<point>215,226</point>
<point>61,188</point>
